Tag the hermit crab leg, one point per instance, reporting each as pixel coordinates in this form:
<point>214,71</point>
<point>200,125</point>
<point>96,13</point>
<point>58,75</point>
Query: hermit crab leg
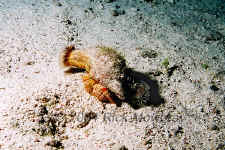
<point>96,89</point>
<point>102,93</point>
<point>107,95</point>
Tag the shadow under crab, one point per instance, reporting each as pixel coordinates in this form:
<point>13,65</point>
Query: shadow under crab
<point>107,77</point>
<point>140,91</point>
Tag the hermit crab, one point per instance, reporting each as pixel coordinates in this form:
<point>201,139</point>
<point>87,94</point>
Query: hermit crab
<point>104,69</point>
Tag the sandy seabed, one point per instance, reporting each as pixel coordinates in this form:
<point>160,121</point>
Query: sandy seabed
<point>178,43</point>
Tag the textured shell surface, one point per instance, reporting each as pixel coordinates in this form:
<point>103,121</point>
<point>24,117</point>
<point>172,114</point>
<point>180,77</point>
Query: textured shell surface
<point>107,67</point>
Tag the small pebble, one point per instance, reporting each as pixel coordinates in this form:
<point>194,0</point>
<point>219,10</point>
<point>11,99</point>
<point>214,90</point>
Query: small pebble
<point>218,112</point>
<point>36,140</point>
<point>30,63</point>
<point>117,12</point>
<point>42,111</point>
<point>55,143</point>
<point>214,36</point>
<point>149,54</point>
<point>214,127</point>
<point>214,88</point>
<point>45,100</point>
<point>59,4</point>
<point>179,131</point>
<point>69,22</point>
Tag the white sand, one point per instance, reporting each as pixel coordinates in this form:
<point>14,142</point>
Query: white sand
<point>32,33</point>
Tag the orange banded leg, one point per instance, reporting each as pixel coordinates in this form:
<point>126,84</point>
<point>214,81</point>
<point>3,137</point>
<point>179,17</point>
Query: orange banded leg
<point>102,93</point>
<point>96,89</point>
<point>88,83</point>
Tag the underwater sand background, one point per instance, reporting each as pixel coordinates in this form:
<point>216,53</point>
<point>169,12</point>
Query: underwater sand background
<point>40,105</point>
